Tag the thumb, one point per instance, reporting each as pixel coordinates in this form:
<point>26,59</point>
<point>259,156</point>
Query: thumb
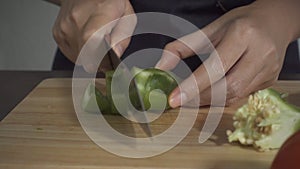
<point>185,93</point>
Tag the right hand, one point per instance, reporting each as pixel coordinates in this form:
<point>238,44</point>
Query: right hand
<point>79,19</point>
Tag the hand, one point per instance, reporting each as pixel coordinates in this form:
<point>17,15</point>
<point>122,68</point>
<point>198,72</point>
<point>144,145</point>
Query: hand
<point>79,19</point>
<point>250,43</point>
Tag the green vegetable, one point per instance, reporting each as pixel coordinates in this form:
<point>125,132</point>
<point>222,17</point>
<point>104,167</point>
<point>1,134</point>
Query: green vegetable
<point>266,121</point>
<point>152,84</point>
<point>150,79</point>
<point>91,103</point>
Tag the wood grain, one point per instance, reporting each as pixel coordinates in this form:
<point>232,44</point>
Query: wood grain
<point>43,132</point>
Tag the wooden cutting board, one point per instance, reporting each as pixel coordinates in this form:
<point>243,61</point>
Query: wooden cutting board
<point>43,132</point>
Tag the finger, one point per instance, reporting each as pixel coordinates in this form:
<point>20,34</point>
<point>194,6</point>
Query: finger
<point>107,13</point>
<point>267,73</point>
<point>67,40</point>
<point>95,22</point>
<point>262,86</point>
<point>76,17</point>
<point>212,70</point>
<point>62,43</point>
<point>237,79</point>
<point>266,77</point>
<point>263,80</point>
<point>195,43</point>
<point>66,50</point>
<point>65,31</point>
<point>214,95</point>
<point>78,14</point>
<point>199,42</point>
<point>242,75</point>
<point>122,32</point>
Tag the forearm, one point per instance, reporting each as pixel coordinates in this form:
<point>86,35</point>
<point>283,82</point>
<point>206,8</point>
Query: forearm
<point>57,2</point>
<point>285,13</point>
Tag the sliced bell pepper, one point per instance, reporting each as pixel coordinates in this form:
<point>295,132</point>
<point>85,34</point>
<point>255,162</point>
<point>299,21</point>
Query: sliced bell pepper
<point>266,121</point>
<point>152,84</point>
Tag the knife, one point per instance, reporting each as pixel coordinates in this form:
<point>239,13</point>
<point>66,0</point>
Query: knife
<point>110,62</point>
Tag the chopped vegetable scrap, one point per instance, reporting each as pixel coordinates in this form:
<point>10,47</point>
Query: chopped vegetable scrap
<point>265,121</point>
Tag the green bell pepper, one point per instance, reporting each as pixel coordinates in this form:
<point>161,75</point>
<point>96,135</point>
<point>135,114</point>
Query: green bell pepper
<point>152,84</point>
<point>266,121</point>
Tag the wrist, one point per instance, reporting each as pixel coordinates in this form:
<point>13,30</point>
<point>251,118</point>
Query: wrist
<point>282,17</point>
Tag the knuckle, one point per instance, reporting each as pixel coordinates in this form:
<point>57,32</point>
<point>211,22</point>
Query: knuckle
<point>111,10</point>
<point>235,89</point>
<point>272,50</point>
<point>250,31</point>
<point>74,16</point>
<point>175,48</point>
<point>232,101</point>
<point>63,28</point>
<point>99,4</point>
<point>270,46</point>
<point>244,28</point>
<point>224,62</point>
<point>58,37</point>
<point>217,66</point>
<point>170,47</point>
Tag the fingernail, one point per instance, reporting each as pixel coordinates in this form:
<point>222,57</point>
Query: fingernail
<point>178,99</point>
<point>158,64</point>
<point>118,49</point>
<point>161,64</point>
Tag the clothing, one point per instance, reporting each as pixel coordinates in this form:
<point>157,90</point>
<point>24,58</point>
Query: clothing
<point>198,12</point>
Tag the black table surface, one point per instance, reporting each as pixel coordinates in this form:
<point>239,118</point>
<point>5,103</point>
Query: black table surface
<point>16,85</point>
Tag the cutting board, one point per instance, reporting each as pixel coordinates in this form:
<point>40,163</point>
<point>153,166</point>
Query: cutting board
<point>43,132</point>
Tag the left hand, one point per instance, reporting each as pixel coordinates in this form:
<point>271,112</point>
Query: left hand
<point>251,44</point>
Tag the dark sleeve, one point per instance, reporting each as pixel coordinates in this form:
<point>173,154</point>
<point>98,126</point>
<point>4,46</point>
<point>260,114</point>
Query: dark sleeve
<point>227,5</point>
<point>61,62</point>
<point>197,12</point>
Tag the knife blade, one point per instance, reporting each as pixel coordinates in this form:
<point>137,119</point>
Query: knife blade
<point>110,62</point>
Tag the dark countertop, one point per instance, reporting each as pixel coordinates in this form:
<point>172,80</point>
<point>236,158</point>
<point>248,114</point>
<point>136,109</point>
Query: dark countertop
<point>17,84</point>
